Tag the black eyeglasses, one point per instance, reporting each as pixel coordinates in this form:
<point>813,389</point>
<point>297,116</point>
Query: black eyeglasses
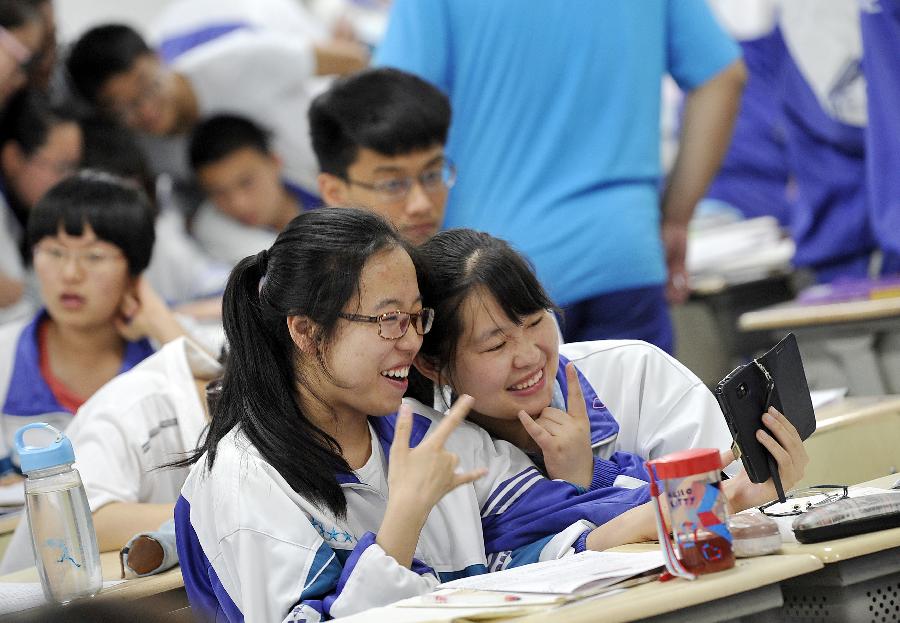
<point>433,180</point>
<point>797,502</point>
<point>394,325</point>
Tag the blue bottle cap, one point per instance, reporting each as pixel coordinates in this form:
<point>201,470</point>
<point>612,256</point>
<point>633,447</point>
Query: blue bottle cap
<point>59,452</point>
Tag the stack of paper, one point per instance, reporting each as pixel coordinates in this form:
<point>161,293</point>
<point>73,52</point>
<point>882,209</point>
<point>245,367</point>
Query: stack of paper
<point>569,575</point>
<point>742,249</point>
<point>522,590</point>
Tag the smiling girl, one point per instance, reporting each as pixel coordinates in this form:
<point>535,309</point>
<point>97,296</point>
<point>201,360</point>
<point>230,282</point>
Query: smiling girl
<point>90,237</point>
<point>617,400</point>
<point>310,497</point>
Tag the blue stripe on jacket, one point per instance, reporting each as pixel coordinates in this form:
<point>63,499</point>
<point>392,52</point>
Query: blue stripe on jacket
<point>603,425</point>
<point>205,592</point>
<point>171,48</point>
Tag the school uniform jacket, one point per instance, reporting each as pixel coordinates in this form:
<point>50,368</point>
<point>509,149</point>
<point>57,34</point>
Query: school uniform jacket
<point>252,549</point>
<point>642,404</point>
<point>640,401</point>
<point>25,395</point>
<point>140,420</point>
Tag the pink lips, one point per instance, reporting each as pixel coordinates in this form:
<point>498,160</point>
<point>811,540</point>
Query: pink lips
<point>72,301</point>
<point>398,383</point>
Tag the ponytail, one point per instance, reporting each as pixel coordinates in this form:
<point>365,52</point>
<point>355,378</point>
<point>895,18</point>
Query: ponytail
<point>296,276</point>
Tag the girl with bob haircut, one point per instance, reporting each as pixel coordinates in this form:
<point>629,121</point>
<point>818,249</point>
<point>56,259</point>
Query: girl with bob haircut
<point>90,238</point>
<point>586,410</point>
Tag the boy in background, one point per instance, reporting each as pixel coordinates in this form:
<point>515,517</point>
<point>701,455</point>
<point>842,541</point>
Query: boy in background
<point>379,140</point>
<point>248,201</point>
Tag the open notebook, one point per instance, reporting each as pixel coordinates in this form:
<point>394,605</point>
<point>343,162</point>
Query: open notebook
<point>578,573</point>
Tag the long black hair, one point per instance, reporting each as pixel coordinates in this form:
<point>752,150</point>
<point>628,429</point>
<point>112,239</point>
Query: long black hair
<point>313,270</point>
<point>458,262</point>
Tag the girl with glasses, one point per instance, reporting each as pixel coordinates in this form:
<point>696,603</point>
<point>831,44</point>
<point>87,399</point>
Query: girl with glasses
<point>311,496</point>
<point>91,238</point>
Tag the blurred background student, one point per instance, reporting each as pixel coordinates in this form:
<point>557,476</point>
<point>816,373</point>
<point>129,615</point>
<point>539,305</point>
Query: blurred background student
<point>91,237</point>
<point>248,201</point>
<point>22,32</point>
<point>39,146</point>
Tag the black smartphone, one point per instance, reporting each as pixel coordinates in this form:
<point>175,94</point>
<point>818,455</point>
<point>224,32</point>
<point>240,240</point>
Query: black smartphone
<point>776,379</point>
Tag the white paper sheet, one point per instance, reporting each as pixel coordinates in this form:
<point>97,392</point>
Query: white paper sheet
<point>822,397</point>
<point>566,575</point>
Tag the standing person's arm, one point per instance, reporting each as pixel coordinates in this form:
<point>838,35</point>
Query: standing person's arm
<point>709,114</point>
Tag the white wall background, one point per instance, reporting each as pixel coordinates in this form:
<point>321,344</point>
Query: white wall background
<point>75,16</point>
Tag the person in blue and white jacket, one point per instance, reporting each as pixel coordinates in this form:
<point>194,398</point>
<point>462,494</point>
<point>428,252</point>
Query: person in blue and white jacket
<point>573,407</point>
<point>311,498</point>
<point>91,238</point>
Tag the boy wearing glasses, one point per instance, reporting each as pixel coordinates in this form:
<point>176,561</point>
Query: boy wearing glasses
<point>379,139</point>
<point>248,201</point>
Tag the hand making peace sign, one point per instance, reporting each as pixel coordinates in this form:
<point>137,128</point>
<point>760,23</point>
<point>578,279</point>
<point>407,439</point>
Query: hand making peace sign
<point>565,438</point>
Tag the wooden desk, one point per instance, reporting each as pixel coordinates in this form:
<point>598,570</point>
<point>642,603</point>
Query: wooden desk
<point>750,587</point>
<point>850,344</point>
<point>856,439</point>
<point>793,315</point>
<point>8,525</point>
<point>838,550</point>
<point>858,582</point>
<point>163,593</point>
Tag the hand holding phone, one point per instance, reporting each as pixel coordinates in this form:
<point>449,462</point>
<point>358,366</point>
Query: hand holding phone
<point>775,380</point>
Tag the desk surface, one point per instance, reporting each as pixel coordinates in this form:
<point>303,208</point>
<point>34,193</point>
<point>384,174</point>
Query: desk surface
<point>131,590</point>
<point>9,521</point>
<point>793,314</point>
<point>848,411</point>
<point>656,598</point>
<point>851,547</point>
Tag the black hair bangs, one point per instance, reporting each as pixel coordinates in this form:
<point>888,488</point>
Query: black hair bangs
<point>117,212</point>
<point>100,54</point>
<point>512,282</point>
<point>218,137</point>
<point>404,127</point>
<point>386,110</point>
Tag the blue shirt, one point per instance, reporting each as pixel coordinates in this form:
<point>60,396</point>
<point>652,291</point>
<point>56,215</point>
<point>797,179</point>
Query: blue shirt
<point>28,396</point>
<point>881,50</point>
<point>754,175</point>
<point>555,128</point>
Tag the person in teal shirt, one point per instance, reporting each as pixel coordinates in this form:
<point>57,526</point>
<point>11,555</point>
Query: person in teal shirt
<point>555,134</point>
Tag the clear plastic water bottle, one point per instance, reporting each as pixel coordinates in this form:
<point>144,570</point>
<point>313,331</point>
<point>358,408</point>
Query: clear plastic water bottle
<point>62,531</point>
